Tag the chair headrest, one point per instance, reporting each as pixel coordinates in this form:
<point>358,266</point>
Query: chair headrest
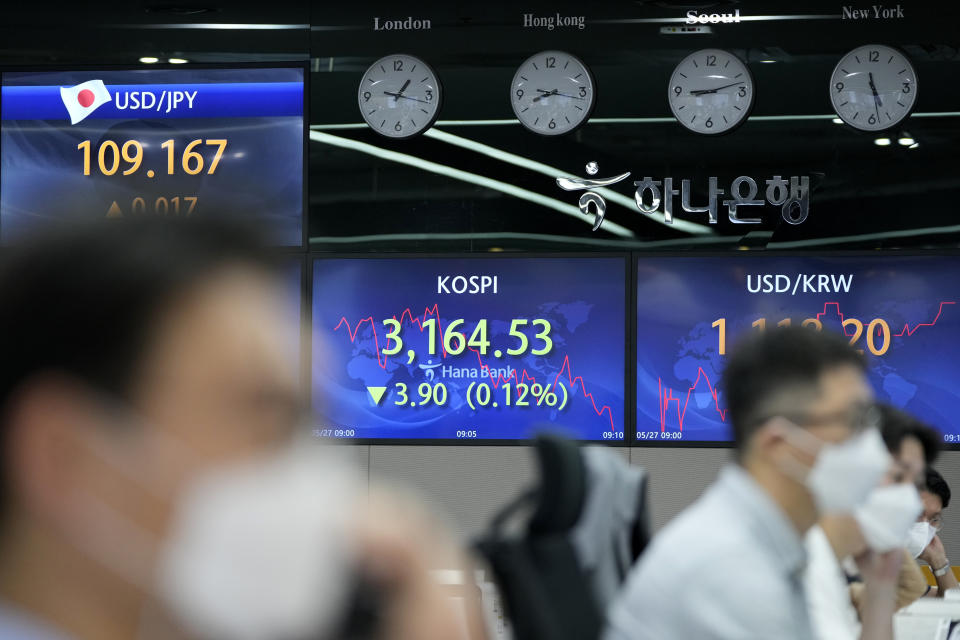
<point>563,482</point>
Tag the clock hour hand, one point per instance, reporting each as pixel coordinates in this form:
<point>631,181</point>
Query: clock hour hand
<point>545,94</point>
<point>555,92</point>
<point>700,92</point>
<point>400,95</point>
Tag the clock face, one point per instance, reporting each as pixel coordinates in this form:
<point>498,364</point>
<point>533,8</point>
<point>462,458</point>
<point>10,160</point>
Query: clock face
<point>873,87</point>
<point>711,91</point>
<point>399,96</point>
<point>552,93</point>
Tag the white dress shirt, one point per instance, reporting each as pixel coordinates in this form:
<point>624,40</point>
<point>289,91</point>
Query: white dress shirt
<point>832,613</point>
<point>728,568</point>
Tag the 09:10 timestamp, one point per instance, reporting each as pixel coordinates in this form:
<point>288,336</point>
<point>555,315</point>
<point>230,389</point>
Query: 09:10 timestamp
<point>110,154</point>
<point>876,330</point>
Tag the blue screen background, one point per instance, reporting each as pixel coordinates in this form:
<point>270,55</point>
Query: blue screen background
<point>259,178</point>
<point>583,298</point>
<point>678,364</point>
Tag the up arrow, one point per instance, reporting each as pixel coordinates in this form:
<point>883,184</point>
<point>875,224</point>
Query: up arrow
<point>377,394</point>
<point>114,211</point>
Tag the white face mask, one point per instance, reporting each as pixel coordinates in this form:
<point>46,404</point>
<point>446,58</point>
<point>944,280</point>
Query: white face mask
<point>843,474</point>
<point>887,516</point>
<point>920,535</point>
<point>256,551</point>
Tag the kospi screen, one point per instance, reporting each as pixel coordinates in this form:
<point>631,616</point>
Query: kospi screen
<point>174,142</point>
<point>469,348</point>
<point>902,312</point>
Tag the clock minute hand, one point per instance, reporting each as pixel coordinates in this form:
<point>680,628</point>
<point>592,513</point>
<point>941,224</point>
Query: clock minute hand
<point>876,96</point>
<point>555,92</point>
<point>400,95</point>
<point>697,92</point>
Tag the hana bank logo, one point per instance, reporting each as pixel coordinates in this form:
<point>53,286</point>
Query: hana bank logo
<point>591,197</point>
<point>84,99</point>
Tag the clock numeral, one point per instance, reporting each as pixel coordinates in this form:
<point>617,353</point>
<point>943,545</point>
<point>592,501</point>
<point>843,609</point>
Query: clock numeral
<point>429,95</point>
<point>366,96</point>
<point>874,56</point>
<point>839,86</point>
<point>398,65</point>
<point>397,126</point>
<point>742,92</point>
<point>677,90</point>
<point>872,120</point>
<point>519,93</point>
<point>711,61</point>
<point>709,123</point>
<point>583,92</point>
<point>552,124</point>
<point>906,87</point>
<point>551,62</point>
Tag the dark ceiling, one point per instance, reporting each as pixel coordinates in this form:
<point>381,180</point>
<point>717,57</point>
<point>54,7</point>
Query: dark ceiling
<point>865,196</point>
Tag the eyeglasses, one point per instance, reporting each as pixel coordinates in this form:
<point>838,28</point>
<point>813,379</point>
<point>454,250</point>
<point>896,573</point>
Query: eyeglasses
<point>936,522</point>
<point>859,417</point>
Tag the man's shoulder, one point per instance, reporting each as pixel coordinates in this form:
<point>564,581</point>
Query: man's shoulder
<point>702,544</point>
<point>710,531</point>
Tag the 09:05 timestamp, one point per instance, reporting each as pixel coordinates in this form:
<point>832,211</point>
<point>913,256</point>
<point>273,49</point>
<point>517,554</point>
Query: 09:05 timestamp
<point>110,154</point>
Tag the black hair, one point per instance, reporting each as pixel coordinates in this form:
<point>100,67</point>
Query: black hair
<point>935,484</point>
<point>84,300</point>
<point>897,425</point>
<point>767,365</point>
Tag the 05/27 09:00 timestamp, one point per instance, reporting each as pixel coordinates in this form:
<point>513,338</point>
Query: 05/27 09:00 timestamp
<point>110,154</point>
<point>659,435</point>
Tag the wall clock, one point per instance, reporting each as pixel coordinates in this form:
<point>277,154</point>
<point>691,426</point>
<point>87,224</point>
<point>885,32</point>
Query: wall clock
<point>552,93</point>
<point>399,96</point>
<point>711,91</point>
<point>873,87</point>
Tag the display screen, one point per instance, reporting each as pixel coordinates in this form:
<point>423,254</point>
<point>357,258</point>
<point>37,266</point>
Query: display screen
<point>469,348</point>
<point>902,312</point>
<point>173,142</point>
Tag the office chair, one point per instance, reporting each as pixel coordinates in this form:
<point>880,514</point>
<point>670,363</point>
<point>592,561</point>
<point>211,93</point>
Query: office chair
<point>548,589</point>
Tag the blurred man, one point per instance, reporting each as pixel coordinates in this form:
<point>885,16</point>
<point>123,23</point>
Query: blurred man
<point>913,444</point>
<point>936,498</point>
<point>150,488</point>
<point>868,542</point>
<point>730,567</point>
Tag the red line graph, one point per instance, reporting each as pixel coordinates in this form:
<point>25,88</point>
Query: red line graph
<point>665,400</point>
<point>681,413</point>
<point>906,327</point>
<point>523,378</point>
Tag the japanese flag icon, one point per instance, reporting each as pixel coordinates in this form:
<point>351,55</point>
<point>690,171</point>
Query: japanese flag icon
<point>84,99</point>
